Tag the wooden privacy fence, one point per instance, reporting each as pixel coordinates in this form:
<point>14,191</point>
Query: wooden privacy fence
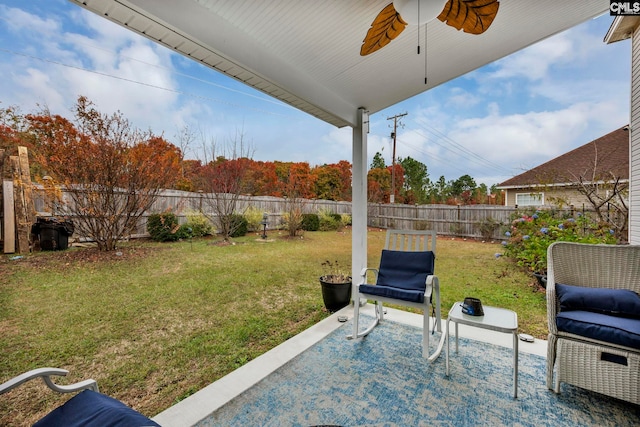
<point>21,202</point>
<point>459,221</point>
<point>17,212</point>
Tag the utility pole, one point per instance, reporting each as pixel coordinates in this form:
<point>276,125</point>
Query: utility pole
<point>396,118</point>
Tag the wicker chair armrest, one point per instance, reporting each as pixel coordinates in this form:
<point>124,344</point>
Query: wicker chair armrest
<point>552,306</point>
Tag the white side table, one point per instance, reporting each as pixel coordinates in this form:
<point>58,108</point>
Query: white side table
<point>494,319</point>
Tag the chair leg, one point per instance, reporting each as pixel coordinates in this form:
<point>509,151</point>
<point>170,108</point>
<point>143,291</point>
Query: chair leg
<point>356,319</point>
<point>425,335</point>
<point>551,360</point>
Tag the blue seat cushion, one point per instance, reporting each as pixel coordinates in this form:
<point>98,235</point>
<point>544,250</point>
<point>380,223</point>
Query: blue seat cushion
<point>402,275</point>
<point>613,329</point>
<point>395,293</point>
<point>616,302</point>
<point>90,408</point>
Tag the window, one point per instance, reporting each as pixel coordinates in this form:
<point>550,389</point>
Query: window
<point>529,199</point>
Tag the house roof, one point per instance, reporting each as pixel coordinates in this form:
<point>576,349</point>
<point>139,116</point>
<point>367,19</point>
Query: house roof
<point>622,28</point>
<point>307,53</point>
<point>594,161</point>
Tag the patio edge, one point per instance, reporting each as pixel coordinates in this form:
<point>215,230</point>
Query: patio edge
<point>203,403</point>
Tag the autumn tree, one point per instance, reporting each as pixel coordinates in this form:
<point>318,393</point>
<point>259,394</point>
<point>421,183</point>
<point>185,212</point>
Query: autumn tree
<point>223,180</point>
<point>298,185</point>
<point>496,196</point>
<point>463,188</point>
<point>261,179</point>
<point>378,185</point>
<point>333,181</point>
<point>111,171</point>
<point>12,129</point>
<point>191,178</point>
<point>481,194</point>
<point>346,176</point>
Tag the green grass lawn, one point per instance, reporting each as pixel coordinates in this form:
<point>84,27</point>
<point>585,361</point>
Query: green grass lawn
<point>154,323</point>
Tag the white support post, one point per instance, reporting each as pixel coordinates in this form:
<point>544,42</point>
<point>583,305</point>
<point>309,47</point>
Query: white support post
<point>359,198</point>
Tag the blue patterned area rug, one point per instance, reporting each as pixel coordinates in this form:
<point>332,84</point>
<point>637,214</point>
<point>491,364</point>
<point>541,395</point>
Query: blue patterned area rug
<point>382,380</point>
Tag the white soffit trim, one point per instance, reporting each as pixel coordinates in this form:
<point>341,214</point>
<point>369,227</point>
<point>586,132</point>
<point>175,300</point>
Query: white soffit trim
<point>307,53</point>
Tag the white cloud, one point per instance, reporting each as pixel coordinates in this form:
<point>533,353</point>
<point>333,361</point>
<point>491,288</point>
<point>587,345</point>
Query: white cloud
<point>534,62</point>
<point>34,81</point>
<point>53,75</point>
<point>521,141</point>
<point>21,22</point>
<point>566,52</point>
<point>460,98</point>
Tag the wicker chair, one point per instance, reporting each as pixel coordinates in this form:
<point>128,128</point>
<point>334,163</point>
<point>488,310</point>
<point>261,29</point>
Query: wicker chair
<point>603,273</point>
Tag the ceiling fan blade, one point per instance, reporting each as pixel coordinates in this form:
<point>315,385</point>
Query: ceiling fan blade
<point>386,27</point>
<point>471,16</point>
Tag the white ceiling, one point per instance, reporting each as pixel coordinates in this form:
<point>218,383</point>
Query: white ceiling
<point>307,52</point>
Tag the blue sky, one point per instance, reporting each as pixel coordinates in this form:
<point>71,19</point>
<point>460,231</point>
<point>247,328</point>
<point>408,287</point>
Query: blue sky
<point>492,124</point>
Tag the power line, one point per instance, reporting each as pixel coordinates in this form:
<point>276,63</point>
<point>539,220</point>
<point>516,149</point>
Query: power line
<point>434,157</point>
<point>189,76</point>
<point>461,147</point>
<point>467,154</point>
<point>100,73</point>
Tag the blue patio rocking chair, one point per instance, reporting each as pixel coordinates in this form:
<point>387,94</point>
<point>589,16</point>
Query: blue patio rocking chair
<point>88,408</point>
<point>405,277</point>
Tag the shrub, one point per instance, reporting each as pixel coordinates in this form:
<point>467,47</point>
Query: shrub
<point>310,222</point>
<point>530,236</point>
<point>329,221</point>
<point>292,221</point>
<point>422,225</point>
<point>238,225</point>
<point>346,219</point>
<point>199,224</point>
<point>185,232</point>
<point>253,216</point>
<point>456,229</point>
<point>487,227</point>
<point>164,227</point>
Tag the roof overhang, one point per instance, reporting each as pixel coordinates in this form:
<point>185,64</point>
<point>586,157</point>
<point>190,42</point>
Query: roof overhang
<point>556,185</point>
<point>622,28</point>
<point>307,53</point>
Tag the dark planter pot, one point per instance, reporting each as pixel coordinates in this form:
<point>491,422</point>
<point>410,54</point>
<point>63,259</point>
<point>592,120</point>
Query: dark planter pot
<point>335,295</point>
<point>542,279</point>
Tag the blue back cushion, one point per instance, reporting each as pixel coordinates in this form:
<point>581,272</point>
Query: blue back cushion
<point>94,409</point>
<point>614,302</point>
<point>405,270</point>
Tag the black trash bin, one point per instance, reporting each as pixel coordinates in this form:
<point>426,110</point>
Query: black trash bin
<point>53,233</point>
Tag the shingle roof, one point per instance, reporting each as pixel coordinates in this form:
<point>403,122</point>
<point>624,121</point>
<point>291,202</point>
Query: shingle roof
<point>609,153</point>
